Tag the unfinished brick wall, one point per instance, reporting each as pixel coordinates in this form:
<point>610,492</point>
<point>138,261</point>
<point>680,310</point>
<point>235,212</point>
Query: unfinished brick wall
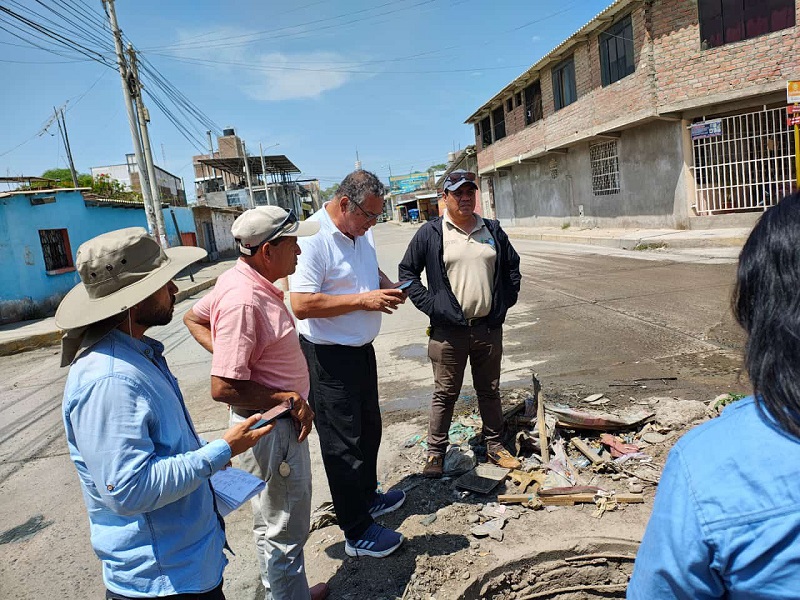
<point>686,72</point>
<point>672,73</point>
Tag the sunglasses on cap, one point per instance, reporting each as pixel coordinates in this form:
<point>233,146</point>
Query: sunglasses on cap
<point>456,177</point>
<point>290,220</point>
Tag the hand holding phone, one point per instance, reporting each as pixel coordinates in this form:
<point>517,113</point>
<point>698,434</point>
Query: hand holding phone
<point>274,413</point>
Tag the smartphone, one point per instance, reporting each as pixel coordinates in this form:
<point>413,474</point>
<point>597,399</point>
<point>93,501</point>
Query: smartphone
<point>276,412</point>
<point>403,285</point>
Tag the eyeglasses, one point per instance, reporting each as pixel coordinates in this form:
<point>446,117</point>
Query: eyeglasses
<point>456,177</point>
<point>369,216</point>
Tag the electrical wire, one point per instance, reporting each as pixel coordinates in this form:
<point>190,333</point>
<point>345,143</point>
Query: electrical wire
<point>227,43</point>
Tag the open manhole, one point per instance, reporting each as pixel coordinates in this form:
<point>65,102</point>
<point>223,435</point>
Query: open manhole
<point>592,569</point>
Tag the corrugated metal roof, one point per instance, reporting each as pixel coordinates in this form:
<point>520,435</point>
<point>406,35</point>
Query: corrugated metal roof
<point>277,163</point>
<point>554,55</point>
<point>47,191</point>
<point>96,201</point>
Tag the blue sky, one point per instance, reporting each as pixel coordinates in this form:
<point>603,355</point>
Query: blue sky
<point>323,79</point>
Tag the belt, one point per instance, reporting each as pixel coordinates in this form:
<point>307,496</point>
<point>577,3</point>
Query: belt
<point>245,413</point>
<point>478,321</point>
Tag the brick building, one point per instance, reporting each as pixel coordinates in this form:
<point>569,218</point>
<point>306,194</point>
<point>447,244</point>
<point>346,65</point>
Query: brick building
<point>653,113</point>
<point>169,186</point>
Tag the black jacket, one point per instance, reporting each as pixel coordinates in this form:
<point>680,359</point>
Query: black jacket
<point>425,251</point>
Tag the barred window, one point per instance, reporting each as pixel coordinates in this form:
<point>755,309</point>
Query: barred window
<point>605,168</point>
<point>55,249</point>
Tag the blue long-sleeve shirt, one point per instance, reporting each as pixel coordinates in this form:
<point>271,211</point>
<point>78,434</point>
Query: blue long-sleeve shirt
<point>726,519</point>
<point>144,471</point>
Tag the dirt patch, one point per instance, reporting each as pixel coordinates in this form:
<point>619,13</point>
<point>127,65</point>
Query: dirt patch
<point>595,570</point>
<point>443,558</point>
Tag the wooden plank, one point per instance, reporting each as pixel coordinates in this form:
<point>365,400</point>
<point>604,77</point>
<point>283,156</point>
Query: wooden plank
<point>587,451</point>
<point>516,498</point>
<point>571,499</point>
<point>541,426</point>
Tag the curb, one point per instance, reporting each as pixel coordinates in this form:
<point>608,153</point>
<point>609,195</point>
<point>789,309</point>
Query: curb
<point>194,288</point>
<point>51,338</point>
<point>632,243</point>
<point>31,342</point>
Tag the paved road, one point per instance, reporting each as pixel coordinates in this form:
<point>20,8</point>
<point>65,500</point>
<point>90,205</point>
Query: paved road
<point>587,316</point>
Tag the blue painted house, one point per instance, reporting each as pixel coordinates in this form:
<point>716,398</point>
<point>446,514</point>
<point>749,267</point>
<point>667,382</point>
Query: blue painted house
<point>40,232</point>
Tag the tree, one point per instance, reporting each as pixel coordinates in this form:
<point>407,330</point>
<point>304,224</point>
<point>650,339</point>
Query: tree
<point>328,192</point>
<point>63,177</point>
<point>439,167</point>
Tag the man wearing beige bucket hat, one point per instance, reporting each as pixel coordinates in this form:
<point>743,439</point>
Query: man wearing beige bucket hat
<point>257,364</point>
<point>144,471</point>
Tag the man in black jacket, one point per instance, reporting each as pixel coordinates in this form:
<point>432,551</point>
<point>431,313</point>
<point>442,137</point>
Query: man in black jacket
<point>473,279</point>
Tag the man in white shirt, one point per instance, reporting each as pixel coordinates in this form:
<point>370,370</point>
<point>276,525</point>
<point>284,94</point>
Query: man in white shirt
<point>338,293</point>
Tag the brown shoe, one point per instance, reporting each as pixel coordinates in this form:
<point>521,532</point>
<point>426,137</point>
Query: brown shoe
<point>434,467</point>
<point>319,591</point>
<point>502,458</point>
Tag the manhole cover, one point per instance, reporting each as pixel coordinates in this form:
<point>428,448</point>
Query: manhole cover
<point>593,570</point>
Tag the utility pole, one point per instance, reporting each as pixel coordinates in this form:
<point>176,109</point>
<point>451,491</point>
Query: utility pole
<point>147,150</point>
<point>247,174</point>
<point>149,207</point>
<point>211,155</point>
<point>65,139</point>
<point>264,172</point>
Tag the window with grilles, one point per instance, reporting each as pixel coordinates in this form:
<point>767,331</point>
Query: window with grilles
<point>605,168</point>
<point>55,249</point>
<point>747,165</point>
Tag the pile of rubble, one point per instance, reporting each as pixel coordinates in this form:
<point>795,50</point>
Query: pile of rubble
<point>569,455</point>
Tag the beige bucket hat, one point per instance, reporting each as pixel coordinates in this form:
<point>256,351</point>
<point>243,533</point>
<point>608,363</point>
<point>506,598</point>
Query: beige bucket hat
<point>119,269</point>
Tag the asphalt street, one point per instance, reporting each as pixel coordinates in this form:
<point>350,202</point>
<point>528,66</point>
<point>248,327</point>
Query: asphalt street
<point>588,316</point>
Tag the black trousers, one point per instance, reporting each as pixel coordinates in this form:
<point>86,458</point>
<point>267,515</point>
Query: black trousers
<point>344,397</point>
<point>215,594</point>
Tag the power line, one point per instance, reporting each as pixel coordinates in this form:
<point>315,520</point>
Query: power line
<point>56,37</point>
<point>264,68</point>
<point>210,43</point>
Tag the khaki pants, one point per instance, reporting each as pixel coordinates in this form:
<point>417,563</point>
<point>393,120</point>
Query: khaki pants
<point>449,348</point>
<point>282,511</point>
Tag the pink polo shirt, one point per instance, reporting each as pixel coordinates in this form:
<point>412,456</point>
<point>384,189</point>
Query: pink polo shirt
<point>253,332</point>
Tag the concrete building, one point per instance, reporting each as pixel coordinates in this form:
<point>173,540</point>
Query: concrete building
<point>221,178</point>
<point>170,186</point>
<point>40,231</point>
<point>664,113</point>
<point>213,225</point>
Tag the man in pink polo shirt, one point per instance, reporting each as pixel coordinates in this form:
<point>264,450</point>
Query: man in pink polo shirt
<point>258,364</point>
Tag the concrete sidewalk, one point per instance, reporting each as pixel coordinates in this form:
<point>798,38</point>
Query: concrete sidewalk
<point>627,239</point>
<point>27,335</point>
<point>630,239</point>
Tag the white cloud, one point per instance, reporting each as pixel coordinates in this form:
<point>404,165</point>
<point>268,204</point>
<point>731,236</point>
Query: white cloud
<point>305,75</point>
<point>266,76</point>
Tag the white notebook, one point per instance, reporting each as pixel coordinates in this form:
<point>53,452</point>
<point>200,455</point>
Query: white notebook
<point>233,487</point>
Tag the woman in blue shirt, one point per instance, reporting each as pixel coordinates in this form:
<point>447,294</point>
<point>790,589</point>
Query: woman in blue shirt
<point>726,519</point>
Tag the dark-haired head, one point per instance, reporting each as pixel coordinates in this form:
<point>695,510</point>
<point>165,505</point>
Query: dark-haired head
<point>766,303</point>
<point>358,186</point>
